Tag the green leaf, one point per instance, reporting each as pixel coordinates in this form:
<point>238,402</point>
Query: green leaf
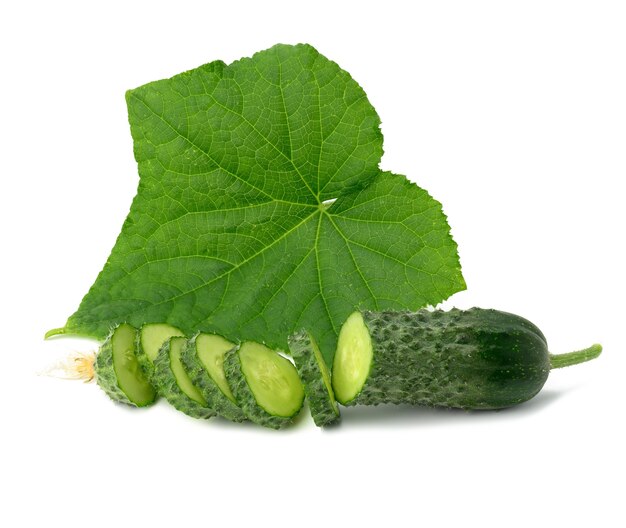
<point>261,208</point>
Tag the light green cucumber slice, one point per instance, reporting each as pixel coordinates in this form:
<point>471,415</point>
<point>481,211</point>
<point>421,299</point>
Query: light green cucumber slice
<point>150,339</point>
<point>265,384</point>
<point>315,377</point>
<point>353,359</point>
<point>203,359</point>
<point>117,369</point>
<point>174,384</point>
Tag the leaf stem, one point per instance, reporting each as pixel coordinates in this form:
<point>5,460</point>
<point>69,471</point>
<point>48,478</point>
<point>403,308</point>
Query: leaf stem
<point>54,332</point>
<point>573,358</point>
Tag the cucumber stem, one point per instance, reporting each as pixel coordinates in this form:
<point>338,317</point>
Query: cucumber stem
<point>573,358</point>
<point>54,332</point>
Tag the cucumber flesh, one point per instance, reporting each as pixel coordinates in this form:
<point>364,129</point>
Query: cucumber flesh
<point>182,378</point>
<point>211,349</point>
<point>150,340</point>
<point>273,380</point>
<point>118,372</point>
<point>153,335</point>
<point>353,359</point>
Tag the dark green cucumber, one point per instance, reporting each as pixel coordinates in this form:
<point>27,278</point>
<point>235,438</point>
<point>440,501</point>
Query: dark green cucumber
<point>315,377</point>
<point>203,358</point>
<point>117,369</point>
<point>265,384</point>
<point>473,359</point>
<point>173,383</point>
<point>150,339</point>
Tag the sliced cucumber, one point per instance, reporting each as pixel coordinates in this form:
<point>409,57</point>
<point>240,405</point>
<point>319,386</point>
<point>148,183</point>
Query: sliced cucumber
<point>315,377</point>
<point>265,384</point>
<point>203,359</point>
<point>117,369</point>
<point>174,384</point>
<point>150,338</point>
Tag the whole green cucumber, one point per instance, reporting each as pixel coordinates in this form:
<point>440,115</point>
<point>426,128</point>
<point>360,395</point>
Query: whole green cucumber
<point>472,359</point>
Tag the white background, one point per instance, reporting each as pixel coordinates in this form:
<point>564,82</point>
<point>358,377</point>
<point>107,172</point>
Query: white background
<point>512,114</point>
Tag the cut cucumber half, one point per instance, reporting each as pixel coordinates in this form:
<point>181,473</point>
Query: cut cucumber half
<point>353,359</point>
<point>203,359</point>
<point>150,339</point>
<point>174,384</point>
<point>117,369</point>
<point>467,359</point>
<point>315,377</point>
<point>265,384</point>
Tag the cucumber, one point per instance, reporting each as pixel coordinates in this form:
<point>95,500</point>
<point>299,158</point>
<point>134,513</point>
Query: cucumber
<point>203,358</point>
<point>315,377</point>
<point>150,339</point>
<point>473,359</point>
<point>173,383</point>
<point>117,370</point>
<point>265,384</point>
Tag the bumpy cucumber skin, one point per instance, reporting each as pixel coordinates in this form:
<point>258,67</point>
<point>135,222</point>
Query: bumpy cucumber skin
<point>165,383</point>
<point>473,359</point>
<point>216,399</point>
<point>142,358</point>
<point>245,398</point>
<point>320,403</point>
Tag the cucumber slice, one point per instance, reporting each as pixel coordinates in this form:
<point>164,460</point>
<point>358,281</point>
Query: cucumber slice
<point>203,359</point>
<point>174,384</point>
<point>150,339</point>
<point>353,359</point>
<point>117,369</point>
<point>315,377</point>
<point>265,384</point>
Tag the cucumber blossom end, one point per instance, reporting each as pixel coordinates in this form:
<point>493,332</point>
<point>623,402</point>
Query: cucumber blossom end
<point>117,369</point>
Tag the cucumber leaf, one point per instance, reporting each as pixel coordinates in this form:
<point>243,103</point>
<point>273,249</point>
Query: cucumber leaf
<point>261,209</point>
